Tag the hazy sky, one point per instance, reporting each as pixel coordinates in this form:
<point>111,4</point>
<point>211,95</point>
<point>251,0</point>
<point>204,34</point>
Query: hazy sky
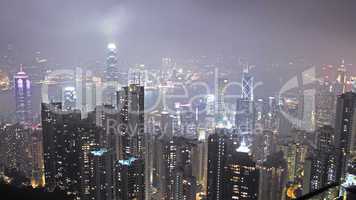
<point>74,31</point>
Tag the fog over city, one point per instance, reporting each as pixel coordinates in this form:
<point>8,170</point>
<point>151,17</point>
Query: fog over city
<point>178,99</point>
<point>74,33</point>
<point>68,32</point>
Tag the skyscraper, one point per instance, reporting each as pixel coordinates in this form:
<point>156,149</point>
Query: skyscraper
<point>273,119</point>
<point>37,179</point>
<point>326,150</point>
<point>130,179</point>
<point>15,147</point>
<point>320,169</point>
<point>182,182</point>
<point>111,76</point>
<point>101,175</point>
<point>245,119</point>
<point>220,107</point>
<point>130,103</point>
<point>345,132</point>
<point>273,174</point>
<point>184,187</point>
<point>107,117</point>
<point>325,108</point>
<point>200,160</point>
<point>61,148</point>
<point>245,108</point>
<point>247,84</point>
<point>23,97</point>
<point>161,165</point>
<point>232,174</point>
<point>89,136</point>
<point>295,148</point>
<point>67,142</point>
<point>341,79</point>
<point>217,154</point>
<point>111,71</point>
<point>241,177</point>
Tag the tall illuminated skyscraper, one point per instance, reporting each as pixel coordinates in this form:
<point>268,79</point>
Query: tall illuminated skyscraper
<point>232,174</point>
<point>37,179</point>
<point>325,108</point>
<point>247,84</point>
<point>23,96</point>
<point>61,148</point>
<point>130,103</point>
<point>242,177</point>
<point>273,172</point>
<point>111,76</point>
<point>345,132</point>
<point>220,104</point>
<point>245,109</point>
<point>67,143</point>
<point>130,179</point>
<point>271,121</point>
<point>184,187</point>
<point>15,147</point>
<point>111,71</point>
<point>322,162</point>
<point>101,175</point>
<point>341,79</point>
<point>217,154</point>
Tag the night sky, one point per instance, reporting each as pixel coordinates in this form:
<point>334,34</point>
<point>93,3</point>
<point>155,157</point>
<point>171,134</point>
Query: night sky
<point>69,32</point>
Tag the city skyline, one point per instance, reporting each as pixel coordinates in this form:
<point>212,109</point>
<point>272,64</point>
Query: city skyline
<point>178,100</point>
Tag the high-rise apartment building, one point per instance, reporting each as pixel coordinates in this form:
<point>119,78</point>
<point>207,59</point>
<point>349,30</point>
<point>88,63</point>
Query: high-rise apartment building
<point>345,133</point>
<point>130,179</point>
<point>217,154</point>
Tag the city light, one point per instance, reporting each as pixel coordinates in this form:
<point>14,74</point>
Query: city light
<point>178,100</point>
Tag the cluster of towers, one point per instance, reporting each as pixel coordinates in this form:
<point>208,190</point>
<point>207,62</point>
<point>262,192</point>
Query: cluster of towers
<point>99,154</point>
<point>118,151</point>
<point>98,157</point>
